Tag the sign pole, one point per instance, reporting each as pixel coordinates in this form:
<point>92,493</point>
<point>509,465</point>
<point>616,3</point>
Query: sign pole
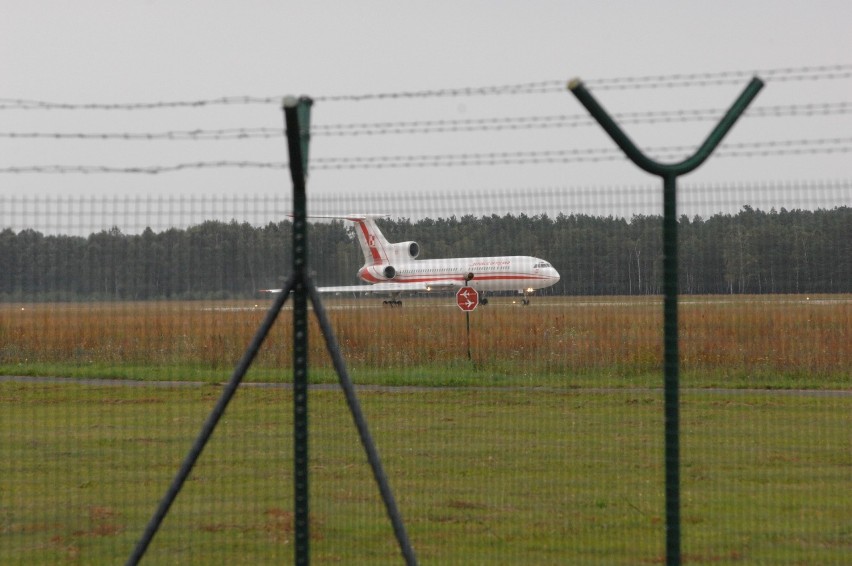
<point>467,299</point>
<point>467,319</point>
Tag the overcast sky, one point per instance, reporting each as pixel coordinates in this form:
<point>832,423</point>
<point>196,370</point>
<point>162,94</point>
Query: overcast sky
<point>109,52</point>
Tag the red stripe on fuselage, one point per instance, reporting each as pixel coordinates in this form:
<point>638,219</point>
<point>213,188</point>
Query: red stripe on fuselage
<point>456,277</point>
<point>366,276</point>
<point>374,251</point>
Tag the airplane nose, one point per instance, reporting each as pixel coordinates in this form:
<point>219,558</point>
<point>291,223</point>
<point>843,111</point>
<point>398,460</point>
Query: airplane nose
<point>555,275</point>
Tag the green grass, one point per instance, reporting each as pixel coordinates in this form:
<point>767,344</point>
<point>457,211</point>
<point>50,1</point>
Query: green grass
<point>482,476</point>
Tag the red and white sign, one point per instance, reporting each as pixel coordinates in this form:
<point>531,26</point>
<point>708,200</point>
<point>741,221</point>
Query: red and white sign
<point>467,298</point>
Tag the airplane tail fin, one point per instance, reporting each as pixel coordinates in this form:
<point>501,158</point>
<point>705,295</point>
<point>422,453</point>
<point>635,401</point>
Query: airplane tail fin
<point>375,247</point>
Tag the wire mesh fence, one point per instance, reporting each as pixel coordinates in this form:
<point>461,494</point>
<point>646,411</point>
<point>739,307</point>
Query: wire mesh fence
<point>528,430</point>
<point>120,321</point>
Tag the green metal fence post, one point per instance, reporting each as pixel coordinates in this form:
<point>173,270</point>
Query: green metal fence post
<point>297,115</point>
<point>671,371</point>
<point>671,363</point>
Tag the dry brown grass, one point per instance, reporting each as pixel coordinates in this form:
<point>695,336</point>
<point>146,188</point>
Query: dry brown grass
<point>725,336</point>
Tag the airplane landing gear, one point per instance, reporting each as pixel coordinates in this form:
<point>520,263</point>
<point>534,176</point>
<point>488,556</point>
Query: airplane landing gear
<point>392,303</point>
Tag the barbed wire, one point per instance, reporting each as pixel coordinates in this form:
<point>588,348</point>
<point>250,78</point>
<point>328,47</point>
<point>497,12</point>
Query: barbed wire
<point>571,121</point>
<point>443,126</point>
<point>744,149</point>
<point>174,135</point>
<point>782,147</point>
<point>823,72</point>
<point>150,170</point>
<point>787,74</point>
<point>26,104</point>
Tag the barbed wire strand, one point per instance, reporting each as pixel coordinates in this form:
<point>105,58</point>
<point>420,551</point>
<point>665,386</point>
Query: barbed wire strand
<point>823,72</point>
<point>786,74</point>
<point>573,120</point>
<point>443,126</point>
<point>173,135</point>
<point>744,149</point>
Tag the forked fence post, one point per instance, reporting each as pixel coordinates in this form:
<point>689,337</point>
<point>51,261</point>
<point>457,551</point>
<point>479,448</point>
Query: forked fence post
<point>671,361</point>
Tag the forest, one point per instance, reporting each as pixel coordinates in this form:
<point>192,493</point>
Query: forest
<point>752,251</point>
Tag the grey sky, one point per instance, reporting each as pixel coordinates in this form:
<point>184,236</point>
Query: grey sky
<point>119,52</point>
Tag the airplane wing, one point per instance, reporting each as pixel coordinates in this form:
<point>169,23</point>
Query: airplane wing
<point>390,287</point>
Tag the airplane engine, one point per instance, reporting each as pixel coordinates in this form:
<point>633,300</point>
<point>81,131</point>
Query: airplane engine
<point>376,273</point>
<point>404,250</point>
<point>413,249</point>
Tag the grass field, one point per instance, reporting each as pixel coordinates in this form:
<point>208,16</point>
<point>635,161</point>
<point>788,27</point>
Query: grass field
<point>482,476</point>
<point>548,452</point>
<point>765,341</point>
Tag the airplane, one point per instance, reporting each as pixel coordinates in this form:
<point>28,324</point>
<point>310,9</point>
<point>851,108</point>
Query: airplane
<point>394,268</point>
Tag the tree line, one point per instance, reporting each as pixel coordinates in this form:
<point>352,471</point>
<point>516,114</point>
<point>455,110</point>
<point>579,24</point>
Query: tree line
<point>786,251</point>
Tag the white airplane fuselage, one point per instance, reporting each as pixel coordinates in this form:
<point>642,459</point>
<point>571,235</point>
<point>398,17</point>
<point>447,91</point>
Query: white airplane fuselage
<point>495,273</point>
